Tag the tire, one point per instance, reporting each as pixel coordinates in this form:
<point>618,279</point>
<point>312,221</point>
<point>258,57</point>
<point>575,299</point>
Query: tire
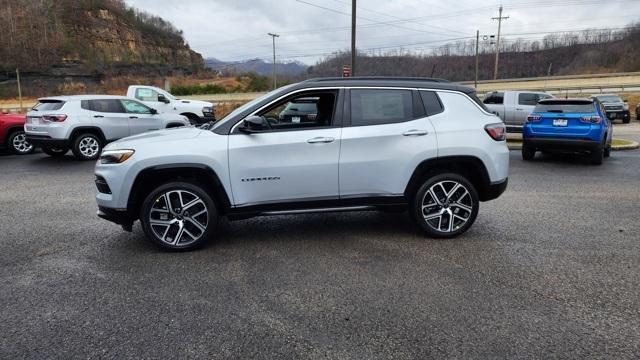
<point>54,151</point>
<point>193,119</point>
<point>626,118</point>
<point>528,152</point>
<point>174,227</point>
<point>597,155</point>
<point>607,151</point>
<point>441,199</point>
<point>18,144</point>
<point>87,146</point>
<point>638,115</point>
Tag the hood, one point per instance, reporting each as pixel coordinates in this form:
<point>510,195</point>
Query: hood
<point>166,135</point>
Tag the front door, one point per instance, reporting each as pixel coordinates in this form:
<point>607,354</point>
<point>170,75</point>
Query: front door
<point>140,117</point>
<point>288,158</point>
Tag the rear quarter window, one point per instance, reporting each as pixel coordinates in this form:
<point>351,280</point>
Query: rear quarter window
<point>49,105</point>
<point>431,101</point>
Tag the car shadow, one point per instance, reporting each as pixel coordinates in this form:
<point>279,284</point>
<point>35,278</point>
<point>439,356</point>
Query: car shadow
<point>563,158</point>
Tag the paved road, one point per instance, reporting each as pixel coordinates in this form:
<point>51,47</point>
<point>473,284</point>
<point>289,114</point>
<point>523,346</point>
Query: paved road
<point>551,269</point>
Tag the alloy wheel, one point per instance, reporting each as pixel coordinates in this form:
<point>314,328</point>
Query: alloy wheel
<point>447,206</point>
<point>178,217</point>
<point>21,145</point>
<point>89,147</point>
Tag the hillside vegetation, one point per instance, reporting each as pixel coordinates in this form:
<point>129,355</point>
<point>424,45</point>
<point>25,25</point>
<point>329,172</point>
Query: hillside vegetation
<point>83,37</point>
<point>586,52</point>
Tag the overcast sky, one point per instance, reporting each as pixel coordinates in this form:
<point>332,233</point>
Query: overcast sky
<point>236,30</point>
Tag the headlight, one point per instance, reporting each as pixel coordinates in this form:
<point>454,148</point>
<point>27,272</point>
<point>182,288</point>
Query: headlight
<point>115,156</point>
<point>207,109</point>
<point>625,106</point>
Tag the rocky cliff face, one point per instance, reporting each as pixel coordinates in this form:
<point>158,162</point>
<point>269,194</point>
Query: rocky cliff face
<point>90,37</point>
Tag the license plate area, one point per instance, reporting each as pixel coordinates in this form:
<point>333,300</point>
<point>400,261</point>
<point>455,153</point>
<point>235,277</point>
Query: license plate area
<point>560,122</point>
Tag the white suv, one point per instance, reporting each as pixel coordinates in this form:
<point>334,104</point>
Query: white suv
<point>85,123</point>
<point>421,145</point>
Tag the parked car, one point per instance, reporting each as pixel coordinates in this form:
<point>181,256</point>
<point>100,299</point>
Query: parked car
<point>375,143</point>
<point>614,106</point>
<point>85,123</point>
<point>513,107</point>
<point>198,112</point>
<point>638,112</point>
<point>301,111</point>
<point>12,134</point>
<point>568,125</point>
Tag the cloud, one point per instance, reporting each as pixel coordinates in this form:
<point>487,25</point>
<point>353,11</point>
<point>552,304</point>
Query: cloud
<point>237,29</point>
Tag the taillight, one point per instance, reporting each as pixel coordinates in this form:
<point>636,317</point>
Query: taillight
<point>498,132</point>
<point>54,118</point>
<point>591,119</point>
<point>533,118</point>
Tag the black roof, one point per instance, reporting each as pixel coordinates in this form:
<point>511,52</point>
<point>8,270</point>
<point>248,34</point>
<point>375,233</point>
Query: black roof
<point>413,82</point>
<point>581,101</point>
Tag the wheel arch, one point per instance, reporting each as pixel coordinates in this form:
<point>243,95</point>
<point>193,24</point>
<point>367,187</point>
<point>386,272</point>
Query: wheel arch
<point>87,129</point>
<point>151,177</point>
<point>191,116</point>
<point>10,130</point>
<point>174,125</point>
<point>470,167</point>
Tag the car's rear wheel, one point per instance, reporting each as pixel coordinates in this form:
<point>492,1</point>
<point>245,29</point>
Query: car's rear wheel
<point>19,144</point>
<point>597,155</point>
<point>528,152</point>
<point>607,151</point>
<point>445,206</point>
<point>55,151</point>
<point>87,146</point>
<point>179,216</point>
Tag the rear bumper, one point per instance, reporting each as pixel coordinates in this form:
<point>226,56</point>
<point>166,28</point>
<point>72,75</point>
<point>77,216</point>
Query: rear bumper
<point>561,144</point>
<point>495,190</point>
<point>43,140</point>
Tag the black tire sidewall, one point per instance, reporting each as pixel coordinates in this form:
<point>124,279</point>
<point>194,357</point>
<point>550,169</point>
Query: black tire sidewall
<point>528,152</point>
<point>76,146</point>
<point>182,185</point>
<point>416,208</point>
<point>13,149</point>
<point>597,155</point>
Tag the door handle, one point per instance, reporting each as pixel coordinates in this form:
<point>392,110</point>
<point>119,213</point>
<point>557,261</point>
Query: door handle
<point>415,132</point>
<point>320,139</point>
<point>519,109</point>
<point>98,116</point>
<point>133,117</point>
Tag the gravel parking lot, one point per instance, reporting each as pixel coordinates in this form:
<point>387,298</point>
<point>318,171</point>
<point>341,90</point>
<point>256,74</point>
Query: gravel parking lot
<point>550,269</point>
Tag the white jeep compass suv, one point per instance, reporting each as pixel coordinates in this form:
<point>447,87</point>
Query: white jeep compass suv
<point>423,145</point>
<point>85,123</point>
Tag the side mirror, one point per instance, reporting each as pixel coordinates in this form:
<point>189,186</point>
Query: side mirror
<point>163,99</point>
<point>252,124</point>
<point>154,111</point>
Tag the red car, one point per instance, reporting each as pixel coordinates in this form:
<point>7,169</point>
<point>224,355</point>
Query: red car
<point>12,134</point>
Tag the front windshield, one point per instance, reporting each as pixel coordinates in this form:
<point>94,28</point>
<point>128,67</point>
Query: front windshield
<point>247,106</point>
<point>609,98</point>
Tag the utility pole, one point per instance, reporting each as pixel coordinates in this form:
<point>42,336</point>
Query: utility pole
<point>353,37</point>
<point>477,48</point>
<point>19,87</point>
<point>499,18</point>
<point>273,37</point>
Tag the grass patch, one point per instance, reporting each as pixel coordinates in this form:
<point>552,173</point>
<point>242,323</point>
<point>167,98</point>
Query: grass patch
<point>620,142</point>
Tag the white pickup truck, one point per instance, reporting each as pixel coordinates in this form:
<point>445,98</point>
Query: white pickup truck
<point>513,107</point>
<point>198,112</point>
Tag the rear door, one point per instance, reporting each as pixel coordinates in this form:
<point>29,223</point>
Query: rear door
<point>387,131</point>
<point>109,115</point>
<point>140,117</point>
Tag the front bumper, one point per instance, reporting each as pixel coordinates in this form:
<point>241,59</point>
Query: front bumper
<point>618,114</point>
<point>561,144</point>
<point>48,141</point>
<point>117,216</point>
<point>207,117</point>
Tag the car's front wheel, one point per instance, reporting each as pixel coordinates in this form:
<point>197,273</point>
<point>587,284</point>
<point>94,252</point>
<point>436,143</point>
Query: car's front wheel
<point>179,216</point>
<point>87,146</point>
<point>19,144</point>
<point>446,205</point>
<point>55,151</point>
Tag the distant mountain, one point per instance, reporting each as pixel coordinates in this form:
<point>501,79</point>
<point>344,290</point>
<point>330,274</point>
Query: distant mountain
<point>257,65</point>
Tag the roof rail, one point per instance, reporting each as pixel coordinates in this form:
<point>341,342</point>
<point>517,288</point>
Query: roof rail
<point>397,78</point>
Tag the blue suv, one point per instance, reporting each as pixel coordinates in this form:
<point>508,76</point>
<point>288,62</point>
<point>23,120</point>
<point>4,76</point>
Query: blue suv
<point>574,125</point>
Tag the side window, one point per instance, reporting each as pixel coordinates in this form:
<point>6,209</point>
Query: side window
<point>134,107</point>
<point>528,99</point>
<point>145,94</point>
<point>86,105</point>
<point>105,105</point>
<point>432,103</point>
<point>377,107</point>
<point>494,98</point>
<point>309,110</point>
<point>544,96</point>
